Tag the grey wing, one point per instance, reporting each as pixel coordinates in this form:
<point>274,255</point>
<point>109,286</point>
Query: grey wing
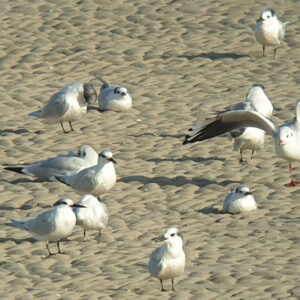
<point>155,266</point>
<point>229,121</point>
<point>281,31</point>
<point>241,106</point>
<point>42,224</point>
<point>57,106</point>
<point>57,166</point>
<point>84,180</point>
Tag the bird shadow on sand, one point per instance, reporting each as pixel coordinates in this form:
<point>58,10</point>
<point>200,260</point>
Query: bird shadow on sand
<point>14,131</point>
<point>210,210</point>
<point>20,180</point>
<point>17,241</point>
<point>214,56</point>
<point>175,181</point>
<point>184,159</point>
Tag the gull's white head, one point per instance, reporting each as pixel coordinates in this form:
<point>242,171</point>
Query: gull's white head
<point>121,90</point>
<point>267,15</point>
<point>243,190</point>
<point>285,135</point>
<point>171,236</point>
<point>107,155</point>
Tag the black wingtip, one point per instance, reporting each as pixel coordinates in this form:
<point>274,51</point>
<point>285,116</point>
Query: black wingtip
<point>60,180</point>
<point>15,169</point>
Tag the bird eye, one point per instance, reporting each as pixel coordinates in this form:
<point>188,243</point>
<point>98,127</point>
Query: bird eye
<point>172,234</point>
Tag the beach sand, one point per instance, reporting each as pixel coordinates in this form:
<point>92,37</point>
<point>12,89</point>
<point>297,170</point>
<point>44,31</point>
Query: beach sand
<point>182,61</point>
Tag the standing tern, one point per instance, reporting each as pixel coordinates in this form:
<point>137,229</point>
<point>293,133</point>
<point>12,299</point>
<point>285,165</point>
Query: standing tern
<point>52,225</point>
<point>269,30</point>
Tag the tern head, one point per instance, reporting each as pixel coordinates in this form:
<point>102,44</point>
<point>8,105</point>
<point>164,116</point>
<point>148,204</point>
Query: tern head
<point>285,134</point>
<point>87,150</point>
<point>243,190</point>
<point>171,236</point>
<point>107,155</point>
<point>266,15</point>
<point>256,88</point>
<point>89,92</point>
<point>67,202</point>
<point>121,90</point>
<point>258,85</point>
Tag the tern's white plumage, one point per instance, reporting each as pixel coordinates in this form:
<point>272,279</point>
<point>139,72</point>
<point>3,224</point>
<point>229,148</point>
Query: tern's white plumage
<point>113,98</point>
<point>69,104</point>
<point>51,225</point>
<point>239,200</point>
<point>286,137</point>
<point>250,137</point>
<point>269,30</point>
<point>93,216</point>
<point>168,261</point>
<point>64,165</point>
<point>95,180</point>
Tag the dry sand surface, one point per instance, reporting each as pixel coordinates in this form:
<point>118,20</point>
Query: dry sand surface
<point>181,61</point>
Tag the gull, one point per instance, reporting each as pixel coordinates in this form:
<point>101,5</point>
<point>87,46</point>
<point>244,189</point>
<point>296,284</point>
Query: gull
<point>69,104</point>
<point>93,216</point>
<point>64,165</point>
<point>286,137</point>
<point>168,261</point>
<point>113,98</point>
<point>239,200</point>
<point>269,31</point>
<point>95,180</point>
<point>52,225</point>
<point>250,137</point>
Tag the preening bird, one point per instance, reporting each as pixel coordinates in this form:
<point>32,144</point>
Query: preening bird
<point>69,104</point>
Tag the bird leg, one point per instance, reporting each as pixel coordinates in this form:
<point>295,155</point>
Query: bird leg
<point>241,159</point>
<point>47,245</point>
<point>252,154</point>
<point>293,181</point>
<point>264,50</point>
<point>84,235</point>
<point>62,126</point>
<point>58,248</point>
<point>71,126</point>
<point>99,236</point>
<point>162,287</point>
<point>274,53</point>
<point>173,289</point>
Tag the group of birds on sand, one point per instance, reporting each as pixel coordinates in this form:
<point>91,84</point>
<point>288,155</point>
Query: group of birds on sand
<point>72,101</point>
<point>92,175</point>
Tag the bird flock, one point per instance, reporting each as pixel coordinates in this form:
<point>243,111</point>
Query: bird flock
<point>92,174</point>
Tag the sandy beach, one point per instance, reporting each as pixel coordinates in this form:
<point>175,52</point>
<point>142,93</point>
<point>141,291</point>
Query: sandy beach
<point>182,61</point>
